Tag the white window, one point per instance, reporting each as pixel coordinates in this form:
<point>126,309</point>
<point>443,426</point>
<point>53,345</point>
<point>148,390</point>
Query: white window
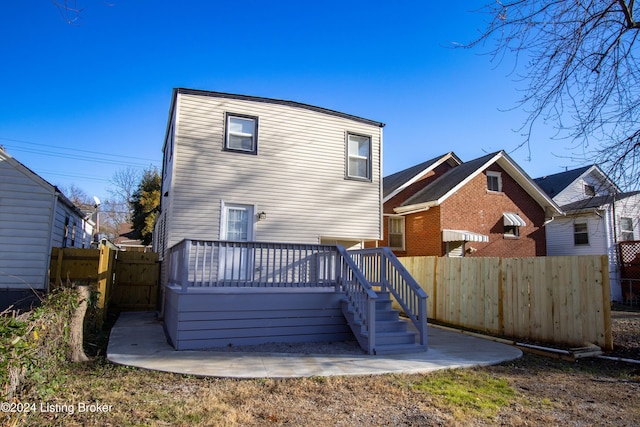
<point>580,233</point>
<point>494,181</point>
<point>241,134</point>
<point>626,229</point>
<point>396,233</point>
<point>359,156</point>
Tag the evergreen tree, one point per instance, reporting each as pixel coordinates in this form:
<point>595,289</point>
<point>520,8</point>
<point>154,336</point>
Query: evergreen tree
<point>145,203</point>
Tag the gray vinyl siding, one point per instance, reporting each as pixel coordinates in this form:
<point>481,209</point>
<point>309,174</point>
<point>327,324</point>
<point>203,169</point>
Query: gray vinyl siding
<point>560,233</point>
<point>297,176</point>
<point>26,207</point>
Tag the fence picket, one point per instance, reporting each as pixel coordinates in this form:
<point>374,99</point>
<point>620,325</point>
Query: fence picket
<point>563,300</point>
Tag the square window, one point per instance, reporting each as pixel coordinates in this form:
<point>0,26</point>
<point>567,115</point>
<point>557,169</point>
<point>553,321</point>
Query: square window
<point>494,181</point>
<point>626,229</point>
<point>580,233</point>
<point>511,231</point>
<point>396,233</point>
<point>241,134</point>
<point>589,190</point>
<point>359,156</point>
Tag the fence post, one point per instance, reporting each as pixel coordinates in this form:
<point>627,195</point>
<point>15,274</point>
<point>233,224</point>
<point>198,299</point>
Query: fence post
<point>105,275</point>
<point>58,274</point>
<point>606,302</point>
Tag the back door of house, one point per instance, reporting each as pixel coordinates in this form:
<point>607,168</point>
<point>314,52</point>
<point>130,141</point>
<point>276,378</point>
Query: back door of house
<point>236,226</point>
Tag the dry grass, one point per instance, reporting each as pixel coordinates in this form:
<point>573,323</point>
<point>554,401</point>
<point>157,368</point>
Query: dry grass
<point>531,391</point>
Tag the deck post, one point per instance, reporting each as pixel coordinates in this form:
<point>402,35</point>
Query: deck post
<point>371,324</point>
<point>186,258</point>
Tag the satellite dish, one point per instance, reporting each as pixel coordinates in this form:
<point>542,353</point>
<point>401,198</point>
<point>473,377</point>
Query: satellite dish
<point>95,199</point>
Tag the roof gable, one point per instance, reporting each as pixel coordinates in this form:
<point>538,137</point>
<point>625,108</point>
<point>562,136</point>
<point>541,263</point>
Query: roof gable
<point>555,184</point>
<point>396,182</point>
<point>450,182</point>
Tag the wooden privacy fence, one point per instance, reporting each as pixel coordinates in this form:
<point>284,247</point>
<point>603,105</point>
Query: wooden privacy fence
<point>126,281</point>
<point>563,300</point>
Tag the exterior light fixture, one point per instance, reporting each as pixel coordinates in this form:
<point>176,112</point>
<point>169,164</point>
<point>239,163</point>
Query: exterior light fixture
<point>262,216</point>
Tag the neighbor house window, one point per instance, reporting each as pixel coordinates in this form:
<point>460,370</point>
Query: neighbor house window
<point>511,231</point>
<point>494,181</point>
<point>358,156</point>
<point>580,233</point>
<point>626,229</point>
<point>589,190</point>
<point>241,134</point>
<point>396,233</point>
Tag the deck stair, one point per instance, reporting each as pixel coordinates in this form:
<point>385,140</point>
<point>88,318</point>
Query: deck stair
<point>391,332</point>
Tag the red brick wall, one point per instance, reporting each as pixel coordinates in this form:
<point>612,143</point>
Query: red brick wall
<point>475,209</point>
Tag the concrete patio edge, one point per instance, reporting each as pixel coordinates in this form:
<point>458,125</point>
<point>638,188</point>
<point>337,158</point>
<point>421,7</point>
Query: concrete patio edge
<point>137,339</point>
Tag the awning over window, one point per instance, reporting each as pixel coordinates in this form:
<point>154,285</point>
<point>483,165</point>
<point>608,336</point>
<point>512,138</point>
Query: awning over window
<point>513,219</point>
<point>463,236</point>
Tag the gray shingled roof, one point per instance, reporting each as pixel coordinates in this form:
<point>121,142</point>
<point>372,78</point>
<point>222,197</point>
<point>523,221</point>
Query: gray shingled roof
<point>554,184</point>
<point>445,183</point>
<point>392,182</point>
<point>596,202</point>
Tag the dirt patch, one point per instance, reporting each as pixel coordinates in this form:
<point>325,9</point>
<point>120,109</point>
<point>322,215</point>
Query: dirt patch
<point>626,333</point>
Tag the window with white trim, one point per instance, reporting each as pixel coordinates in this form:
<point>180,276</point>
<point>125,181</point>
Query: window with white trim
<point>241,133</point>
<point>396,232</point>
<point>358,156</point>
<point>494,181</point>
<point>626,229</point>
<point>580,233</point>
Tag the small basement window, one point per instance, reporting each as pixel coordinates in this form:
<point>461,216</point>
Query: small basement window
<point>241,134</point>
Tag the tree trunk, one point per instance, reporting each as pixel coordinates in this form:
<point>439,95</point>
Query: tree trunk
<point>77,326</point>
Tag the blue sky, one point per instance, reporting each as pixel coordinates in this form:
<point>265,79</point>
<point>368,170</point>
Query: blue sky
<point>80,101</point>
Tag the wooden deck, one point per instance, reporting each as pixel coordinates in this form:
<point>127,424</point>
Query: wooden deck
<point>243,293</point>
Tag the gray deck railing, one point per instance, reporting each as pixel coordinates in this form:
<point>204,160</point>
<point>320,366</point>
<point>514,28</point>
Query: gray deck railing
<point>359,294</point>
<point>200,263</point>
<point>381,267</point>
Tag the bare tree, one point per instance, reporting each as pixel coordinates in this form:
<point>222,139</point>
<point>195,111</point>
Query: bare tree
<point>582,74</point>
<point>124,183</point>
<point>78,197</point>
<point>68,10</point>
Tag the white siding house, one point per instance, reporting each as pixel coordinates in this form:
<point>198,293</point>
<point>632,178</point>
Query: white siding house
<point>34,216</point>
<point>598,217</point>
<point>257,169</point>
<point>260,198</point>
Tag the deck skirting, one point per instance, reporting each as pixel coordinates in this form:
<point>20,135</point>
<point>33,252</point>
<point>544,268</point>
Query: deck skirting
<point>202,318</point>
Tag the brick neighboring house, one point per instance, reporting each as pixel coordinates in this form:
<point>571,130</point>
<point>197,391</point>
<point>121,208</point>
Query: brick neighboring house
<point>485,207</point>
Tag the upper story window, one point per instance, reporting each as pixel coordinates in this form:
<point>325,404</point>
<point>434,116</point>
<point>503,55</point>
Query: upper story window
<point>494,181</point>
<point>626,229</point>
<point>580,233</point>
<point>241,133</point>
<point>589,190</point>
<point>396,233</point>
<point>358,156</point>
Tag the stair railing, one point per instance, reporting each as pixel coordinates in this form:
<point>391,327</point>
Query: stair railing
<point>359,294</point>
<point>381,267</point>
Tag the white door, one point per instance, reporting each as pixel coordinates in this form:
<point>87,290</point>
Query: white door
<point>237,226</point>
